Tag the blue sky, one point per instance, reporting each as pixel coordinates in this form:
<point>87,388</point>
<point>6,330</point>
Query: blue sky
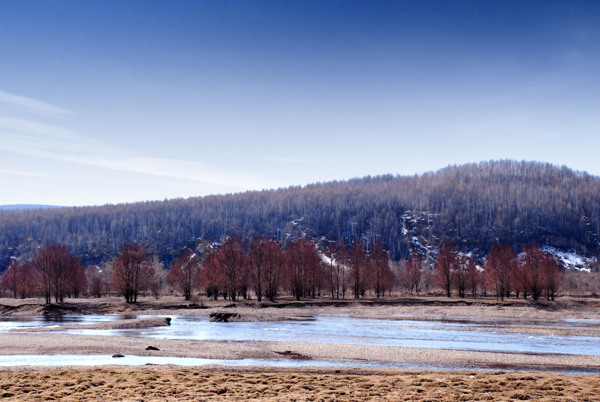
<point>121,101</point>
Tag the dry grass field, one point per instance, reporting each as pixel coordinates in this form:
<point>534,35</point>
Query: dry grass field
<point>148,384</point>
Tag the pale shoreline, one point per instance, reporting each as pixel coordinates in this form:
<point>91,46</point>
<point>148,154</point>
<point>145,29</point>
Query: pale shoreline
<point>54,343</point>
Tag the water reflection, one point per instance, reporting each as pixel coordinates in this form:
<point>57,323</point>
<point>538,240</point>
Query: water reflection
<point>25,321</point>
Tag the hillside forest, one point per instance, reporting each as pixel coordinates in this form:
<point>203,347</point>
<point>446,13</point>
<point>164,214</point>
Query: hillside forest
<point>467,212</point>
<point>474,207</point>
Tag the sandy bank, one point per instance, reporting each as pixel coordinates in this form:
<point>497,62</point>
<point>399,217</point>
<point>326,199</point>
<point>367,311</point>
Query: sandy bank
<point>136,323</point>
<point>58,343</point>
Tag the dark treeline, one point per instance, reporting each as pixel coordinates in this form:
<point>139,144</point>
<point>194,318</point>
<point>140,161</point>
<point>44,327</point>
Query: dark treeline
<point>473,206</point>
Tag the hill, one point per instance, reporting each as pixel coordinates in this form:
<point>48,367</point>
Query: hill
<point>473,206</point>
<point>19,207</point>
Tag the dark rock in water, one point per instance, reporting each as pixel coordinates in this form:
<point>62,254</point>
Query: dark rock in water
<point>224,317</point>
<point>168,320</point>
<point>117,355</point>
<point>294,355</point>
<point>152,348</point>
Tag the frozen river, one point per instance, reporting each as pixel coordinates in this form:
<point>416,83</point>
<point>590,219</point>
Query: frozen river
<point>340,329</point>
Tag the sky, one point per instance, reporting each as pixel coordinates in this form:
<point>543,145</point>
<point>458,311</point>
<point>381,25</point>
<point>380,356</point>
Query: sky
<point>111,101</point>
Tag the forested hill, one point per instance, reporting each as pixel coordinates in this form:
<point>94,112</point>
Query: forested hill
<point>474,206</point>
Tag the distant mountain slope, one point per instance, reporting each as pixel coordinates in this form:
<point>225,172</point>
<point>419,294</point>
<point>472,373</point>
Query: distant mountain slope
<point>19,207</point>
<point>474,206</point>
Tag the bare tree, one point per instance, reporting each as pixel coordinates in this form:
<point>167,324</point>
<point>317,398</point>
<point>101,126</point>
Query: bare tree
<point>96,286</point>
<point>212,276</point>
<point>302,260</point>
<point>381,269</point>
<point>183,274</point>
<point>553,276</point>
<point>130,272</point>
<point>266,261</point>
<point>77,282</point>
<point>358,269</point>
<point>464,266</point>
<point>414,268</point>
<point>499,268</point>
<point>156,277</point>
<point>337,254</point>
<point>258,260</point>
<point>445,267</point>
<point>473,279</point>
<point>274,263</point>
<point>233,261</point>
<point>53,265</point>
<point>532,266</point>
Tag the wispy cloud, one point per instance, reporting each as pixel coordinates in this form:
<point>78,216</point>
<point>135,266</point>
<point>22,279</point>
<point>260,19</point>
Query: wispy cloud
<point>44,130</point>
<point>9,172</point>
<point>34,138</point>
<point>42,140</point>
<point>32,104</point>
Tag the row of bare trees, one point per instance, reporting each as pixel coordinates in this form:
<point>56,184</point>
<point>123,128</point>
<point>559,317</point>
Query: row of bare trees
<point>531,273</point>
<point>52,273</point>
<point>299,269</point>
<point>265,268</point>
<point>134,271</point>
<point>456,271</point>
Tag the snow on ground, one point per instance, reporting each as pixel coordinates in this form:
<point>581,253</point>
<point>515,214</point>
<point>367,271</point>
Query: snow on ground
<point>327,260</point>
<point>570,259</point>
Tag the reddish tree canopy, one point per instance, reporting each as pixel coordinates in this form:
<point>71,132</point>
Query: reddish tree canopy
<point>303,264</point>
<point>445,267</point>
<point>131,271</point>
<point>233,262</point>
<point>183,274</point>
<point>55,268</point>
<point>500,266</point>
<point>414,268</point>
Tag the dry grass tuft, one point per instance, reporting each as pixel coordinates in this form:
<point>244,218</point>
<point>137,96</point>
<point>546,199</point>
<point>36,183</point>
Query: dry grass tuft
<point>283,385</point>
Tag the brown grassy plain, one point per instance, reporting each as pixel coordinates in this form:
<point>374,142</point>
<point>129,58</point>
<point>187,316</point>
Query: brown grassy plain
<point>233,384</point>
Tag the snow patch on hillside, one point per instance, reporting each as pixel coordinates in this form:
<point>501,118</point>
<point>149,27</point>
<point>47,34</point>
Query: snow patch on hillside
<point>570,259</point>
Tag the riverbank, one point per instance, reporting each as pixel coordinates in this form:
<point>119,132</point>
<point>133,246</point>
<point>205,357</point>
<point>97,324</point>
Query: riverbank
<point>480,309</point>
<point>57,343</point>
<point>151,383</point>
<point>569,317</point>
